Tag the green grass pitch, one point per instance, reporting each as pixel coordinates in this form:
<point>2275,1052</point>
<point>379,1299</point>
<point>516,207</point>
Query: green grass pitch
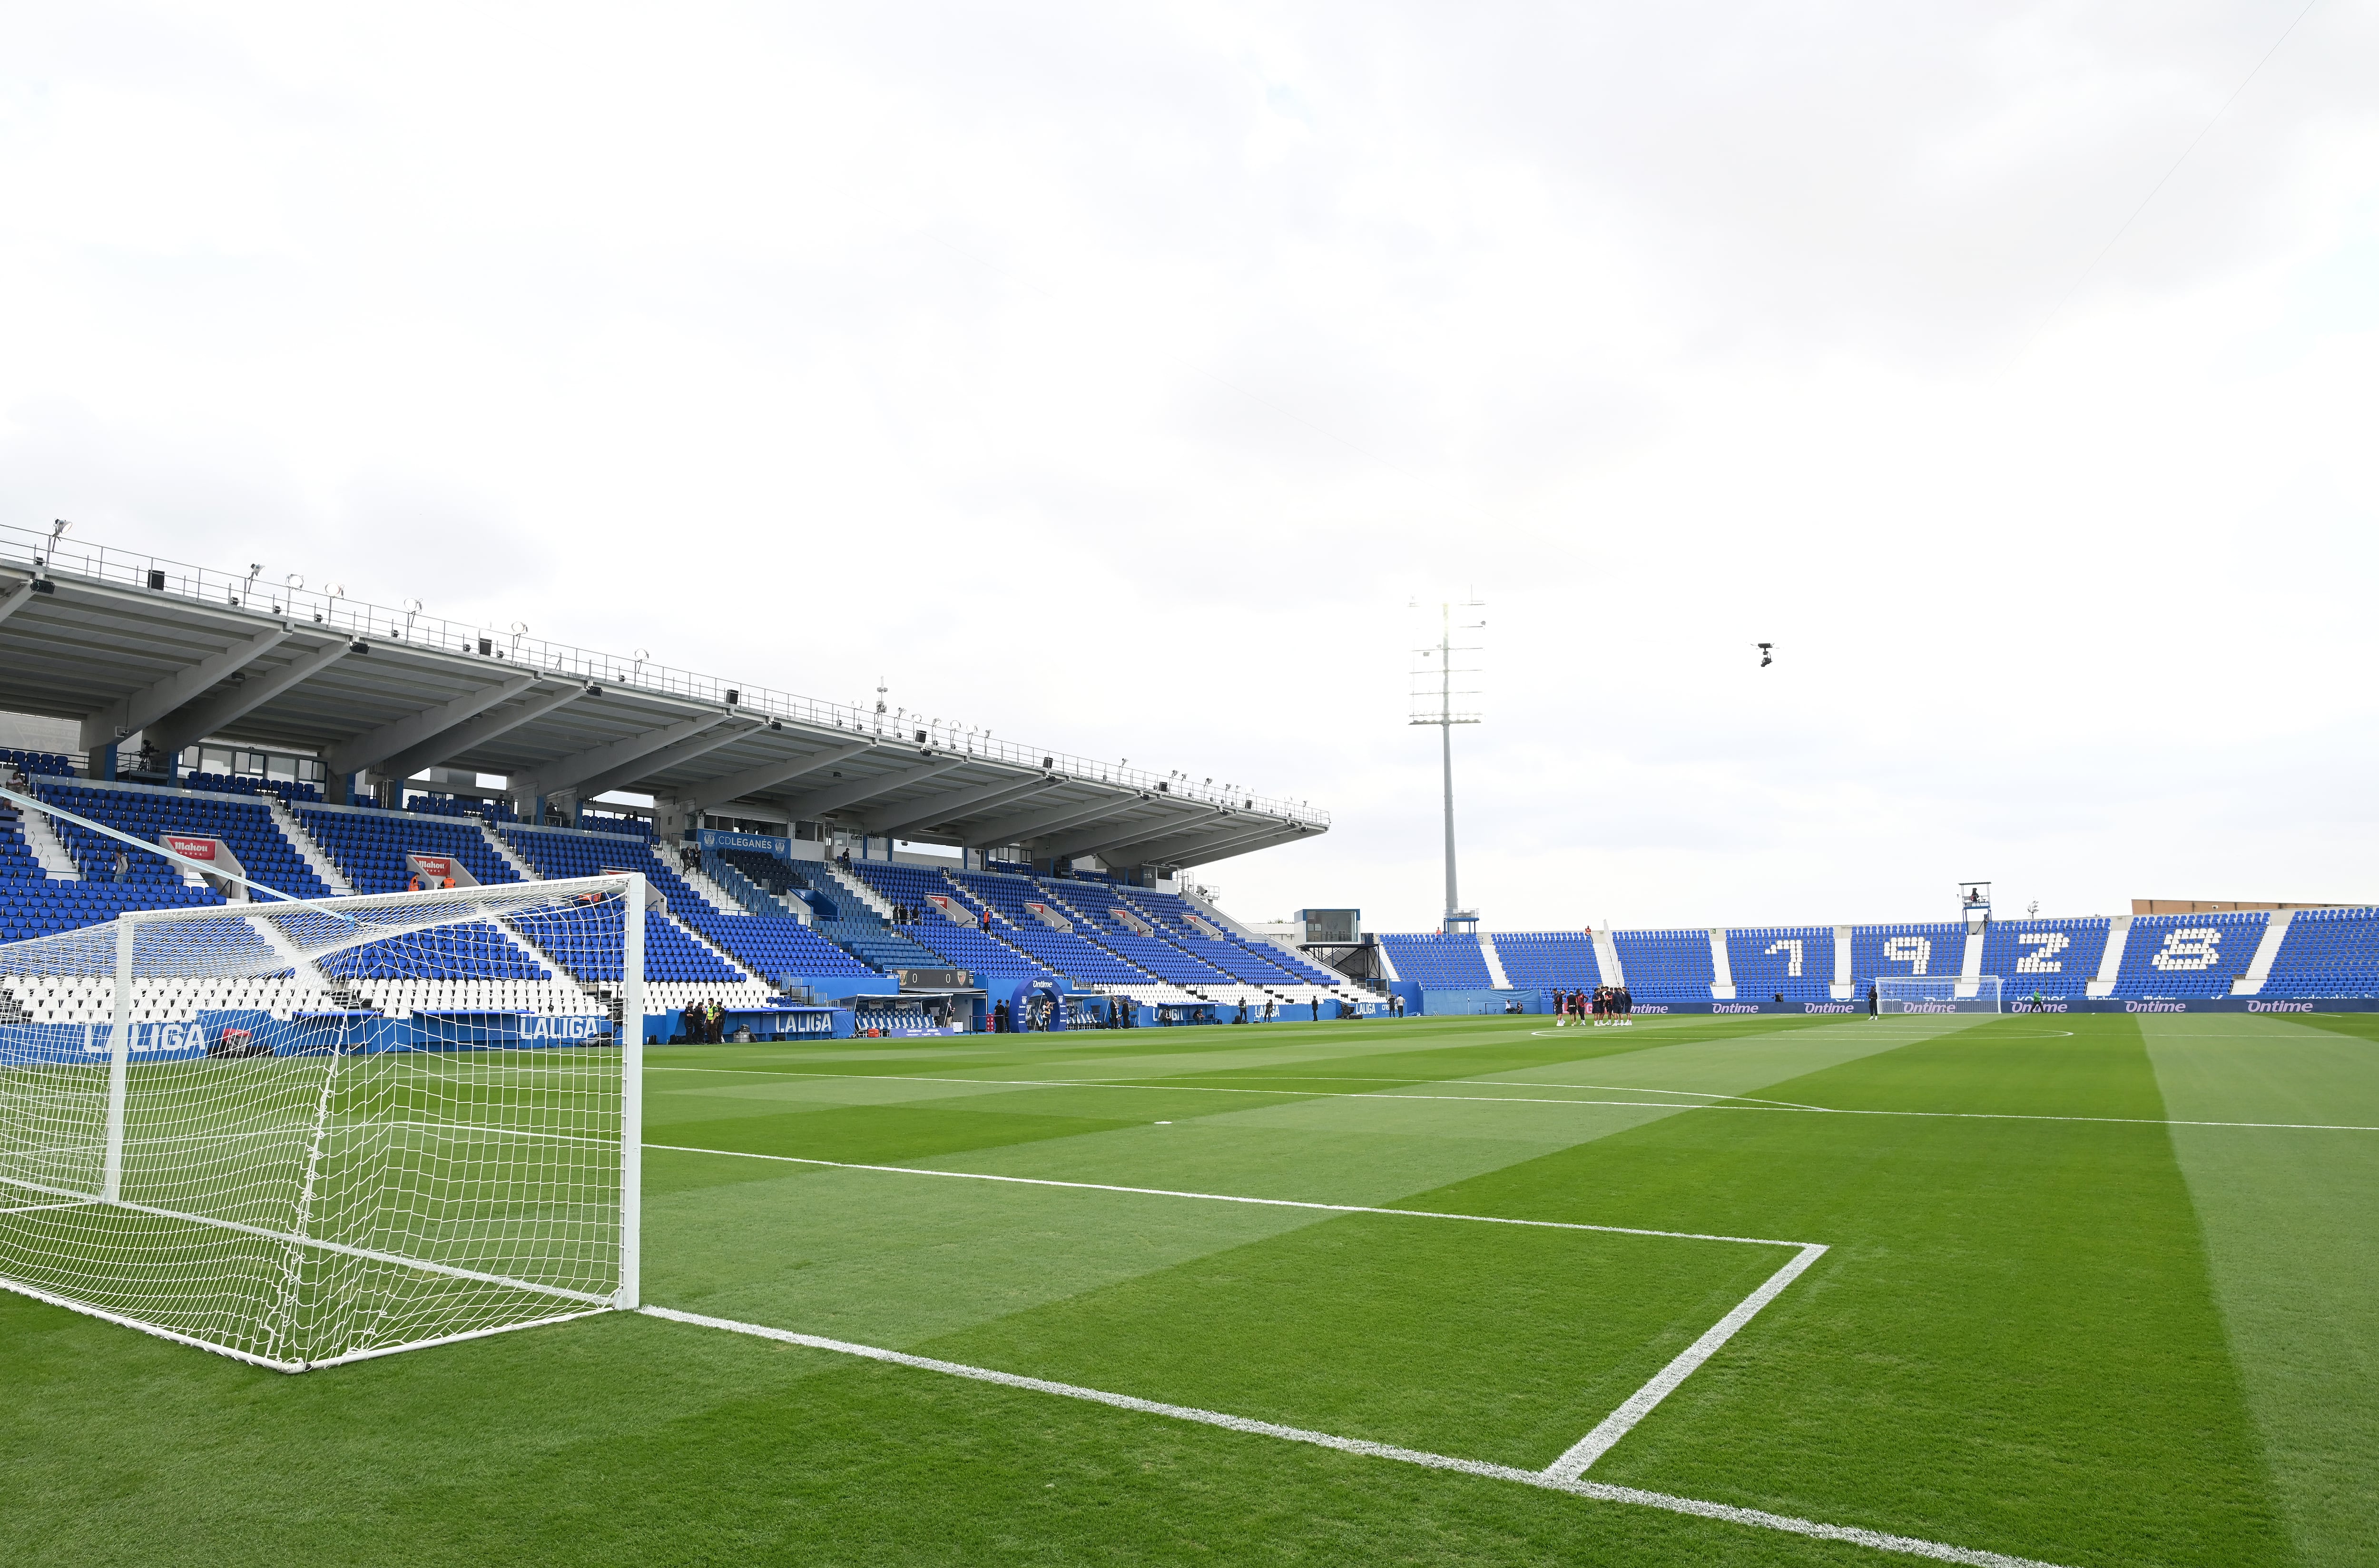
<point>2061,1314</point>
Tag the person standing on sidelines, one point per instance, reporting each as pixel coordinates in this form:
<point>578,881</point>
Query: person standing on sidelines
<point>1871,1001</point>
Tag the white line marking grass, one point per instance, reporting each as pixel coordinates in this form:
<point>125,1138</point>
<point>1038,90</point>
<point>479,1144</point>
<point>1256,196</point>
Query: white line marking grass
<point>1737,1103</point>
<point>1580,1454</point>
<point>1235,1198</point>
<point>1620,1422</point>
<point>1756,1518</point>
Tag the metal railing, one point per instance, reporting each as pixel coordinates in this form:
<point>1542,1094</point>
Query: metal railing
<point>327,605</point>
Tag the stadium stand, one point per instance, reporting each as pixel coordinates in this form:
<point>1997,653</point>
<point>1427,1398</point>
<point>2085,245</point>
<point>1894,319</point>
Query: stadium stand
<point>1664,966</point>
<point>1928,950</point>
<point>2327,953</point>
<point>679,967</point>
<point>985,957</point>
<point>776,948</point>
<point>607,822</point>
<point>370,846</point>
<point>780,880</point>
<point>145,812</point>
<point>1433,961</point>
<point>1558,961</point>
<point>755,899</point>
<point>460,806</point>
<point>2056,958</point>
<point>39,906</point>
<point>2321,952</point>
<point>16,862</point>
<point>1188,929</point>
<point>35,765</point>
<point>1063,952</point>
<point>1795,962</point>
<point>288,789</point>
<point>2170,957</point>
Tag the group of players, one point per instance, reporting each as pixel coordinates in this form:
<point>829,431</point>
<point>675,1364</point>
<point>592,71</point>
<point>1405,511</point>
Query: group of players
<point>1608,1004</point>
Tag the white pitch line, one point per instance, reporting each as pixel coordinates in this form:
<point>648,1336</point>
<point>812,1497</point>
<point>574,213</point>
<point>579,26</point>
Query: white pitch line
<point>1777,1107</point>
<point>1620,1422</point>
<point>1695,1507</point>
<point>1235,1198</point>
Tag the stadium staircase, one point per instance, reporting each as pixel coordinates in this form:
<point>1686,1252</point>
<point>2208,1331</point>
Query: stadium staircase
<point>503,850</point>
<point>750,895</point>
<point>311,851</point>
<point>42,842</point>
<point>1494,960</point>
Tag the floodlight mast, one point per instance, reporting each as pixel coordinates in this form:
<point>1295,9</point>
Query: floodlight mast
<point>1446,716</point>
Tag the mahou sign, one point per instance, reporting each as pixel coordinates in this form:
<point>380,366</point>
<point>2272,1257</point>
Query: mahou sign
<point>191,849</point>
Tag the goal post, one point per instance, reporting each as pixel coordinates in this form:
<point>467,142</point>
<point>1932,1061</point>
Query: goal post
<point>309,1132</point>
<point>1936,993</point>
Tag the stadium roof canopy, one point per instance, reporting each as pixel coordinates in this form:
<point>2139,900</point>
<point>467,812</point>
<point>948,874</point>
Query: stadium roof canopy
<point>140,650</point>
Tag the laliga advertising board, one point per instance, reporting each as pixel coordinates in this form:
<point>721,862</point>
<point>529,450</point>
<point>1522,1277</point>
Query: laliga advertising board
<point>231,1034</point>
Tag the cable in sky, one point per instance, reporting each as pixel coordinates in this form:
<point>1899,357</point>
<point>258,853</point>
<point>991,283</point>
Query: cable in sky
<point>2075,287</point>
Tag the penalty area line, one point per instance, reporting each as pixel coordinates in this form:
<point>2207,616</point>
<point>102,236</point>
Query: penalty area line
<point>1235,1197</point>
<point>1739,1103</point>
<point>1908,1546</point>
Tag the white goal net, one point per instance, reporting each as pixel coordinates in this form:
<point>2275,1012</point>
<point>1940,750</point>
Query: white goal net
<point>307,1133</point>
<point>1936,993</point>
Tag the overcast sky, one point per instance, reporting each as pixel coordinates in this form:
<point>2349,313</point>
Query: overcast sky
<point>1117,375</point>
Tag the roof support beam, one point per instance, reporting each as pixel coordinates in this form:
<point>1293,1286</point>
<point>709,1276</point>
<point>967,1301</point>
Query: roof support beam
<point>196,720</point>
<point>804,808</point>
<point>17,600</point>
<point>144,708</point>
<point>752,781</point>
<point>474,732</point>
<point>935,809</point>
<point>700,745</point>
<point>1198,840</point>
<point>1016,829</point>
<point>1229,848</point>
<point>1131,851</point>
<point>1090,840</point>
<point>564,773</point>
<point>375,746</point>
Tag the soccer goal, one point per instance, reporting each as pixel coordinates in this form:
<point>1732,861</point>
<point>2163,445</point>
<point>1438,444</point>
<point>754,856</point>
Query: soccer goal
<point>308,1133</point>
<point>1936,993</point>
